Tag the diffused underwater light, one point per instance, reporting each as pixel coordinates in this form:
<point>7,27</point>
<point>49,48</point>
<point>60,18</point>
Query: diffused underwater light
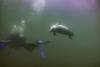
<point>39,5</point>
<point>13,29</point>
<point>21,28</point>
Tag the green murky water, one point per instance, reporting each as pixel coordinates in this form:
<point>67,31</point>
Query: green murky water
<point>83,51</point>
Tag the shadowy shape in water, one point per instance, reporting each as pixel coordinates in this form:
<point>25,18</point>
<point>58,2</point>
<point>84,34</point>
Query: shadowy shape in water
<point>15,41</point>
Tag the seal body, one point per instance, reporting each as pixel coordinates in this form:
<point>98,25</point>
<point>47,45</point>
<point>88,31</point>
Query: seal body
<point>58,28</point>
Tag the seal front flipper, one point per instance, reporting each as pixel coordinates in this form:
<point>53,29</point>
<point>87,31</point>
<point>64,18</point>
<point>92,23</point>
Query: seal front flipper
<point>54,33</point>
<point>71,37</point>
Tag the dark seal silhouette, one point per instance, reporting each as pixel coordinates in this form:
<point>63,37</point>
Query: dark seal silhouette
<point>58,28</point>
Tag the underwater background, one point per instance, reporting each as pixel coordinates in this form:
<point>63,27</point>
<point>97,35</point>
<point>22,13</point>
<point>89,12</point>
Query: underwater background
<point>81,16</point>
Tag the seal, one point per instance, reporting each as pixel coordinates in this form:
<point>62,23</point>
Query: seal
<point>62,29</point>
